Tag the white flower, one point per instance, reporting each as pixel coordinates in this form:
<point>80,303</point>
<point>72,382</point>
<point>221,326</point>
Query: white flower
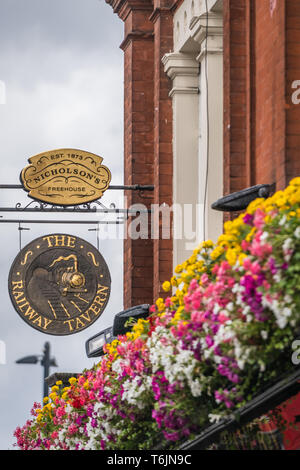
<point>297,233</point>
<point>287,298</point>
<point>264,334</point>
<point>262,366</point>
<point>287,312</point>
<point>287,245</point>
<point>282,220</point>
<point>264,236</point>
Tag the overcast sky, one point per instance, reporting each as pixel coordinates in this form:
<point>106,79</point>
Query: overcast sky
<point>63,70</point>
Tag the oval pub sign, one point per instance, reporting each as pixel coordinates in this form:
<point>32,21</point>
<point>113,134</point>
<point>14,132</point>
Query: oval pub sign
<point>59,284</point>
<point>66,177</point>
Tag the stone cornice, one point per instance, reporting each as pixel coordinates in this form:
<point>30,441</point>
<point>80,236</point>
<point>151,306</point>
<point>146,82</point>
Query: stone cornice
<point>124,7</point>
<point>183,70</point>
<point>202,26</point>
<point>180,64</point>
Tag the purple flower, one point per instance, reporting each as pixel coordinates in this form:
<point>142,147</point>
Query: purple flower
<point>248,219</point>
<point>209,341</point>
<point>272,266</point>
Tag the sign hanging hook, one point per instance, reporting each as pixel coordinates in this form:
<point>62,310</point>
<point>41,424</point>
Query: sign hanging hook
<point>97,230</point>
<point>20,228</point>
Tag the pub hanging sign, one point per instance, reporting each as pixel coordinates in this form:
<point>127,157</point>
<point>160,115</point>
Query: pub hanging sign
<point>59,284</point>
<point>66,177</point>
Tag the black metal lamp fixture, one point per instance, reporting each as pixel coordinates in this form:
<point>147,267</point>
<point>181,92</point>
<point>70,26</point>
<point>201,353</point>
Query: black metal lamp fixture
<point>45,360</point>
<point>240,200</point>
<point>94,345</point>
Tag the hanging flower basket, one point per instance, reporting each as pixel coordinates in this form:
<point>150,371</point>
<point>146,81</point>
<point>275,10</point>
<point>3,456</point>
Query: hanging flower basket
<point>213,350</point>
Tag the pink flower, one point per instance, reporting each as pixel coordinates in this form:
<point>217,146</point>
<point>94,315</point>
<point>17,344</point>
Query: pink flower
<point>259,219</point>
<point>60,412</point>
<point>197,317</point>
<point>139,365</point>
<point>72,429</point>
<point>223,318</point>
<point>255,268</point>
<point>245,245</point>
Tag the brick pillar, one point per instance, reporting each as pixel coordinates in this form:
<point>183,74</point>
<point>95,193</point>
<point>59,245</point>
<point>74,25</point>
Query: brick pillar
<point>261,125</point>
<point>292,76</point>
<point>138,138</point>
<point>237,88</point>
<point>270,88</point>
<point>162,19</point>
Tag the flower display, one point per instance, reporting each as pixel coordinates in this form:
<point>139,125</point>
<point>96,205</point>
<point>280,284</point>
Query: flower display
<point>221,336</point>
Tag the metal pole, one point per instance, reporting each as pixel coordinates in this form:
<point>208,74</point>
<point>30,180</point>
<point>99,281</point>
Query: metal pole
<point>46,364</point>
<point>126,187</point>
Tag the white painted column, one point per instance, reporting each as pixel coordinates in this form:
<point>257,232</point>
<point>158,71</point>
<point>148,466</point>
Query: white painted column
<point>183,69</point>
<point>209,34</point>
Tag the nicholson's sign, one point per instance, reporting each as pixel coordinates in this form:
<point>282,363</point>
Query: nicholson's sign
<point>66,177</point>
<point>59,284</point>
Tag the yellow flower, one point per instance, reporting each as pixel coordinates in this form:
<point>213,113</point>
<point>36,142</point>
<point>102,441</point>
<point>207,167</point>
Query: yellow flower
<point>268,219</point>
<point>178,269</point>
<point>46,399</point>
<point>72,380</point>
<point>242,256</point>
<point>254,205</point>
<point>295,198</point>
<point>48,407</point>
<point>295,181</point>
<point>217,252</point>
<point>86,385</point>
<point>53,395</point>
<point>59,382</point>
<point>250,235</point>
<point>65,395</point>
<point>166,286</point>
<point>208,244</point>
<point>55,388</point>
<point>231,256</point>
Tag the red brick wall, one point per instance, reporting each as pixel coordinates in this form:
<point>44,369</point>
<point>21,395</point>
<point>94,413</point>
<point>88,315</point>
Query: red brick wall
<point>163,153</point>
<point>148,157</point>
<point>138,165</point>
<point>261,60</point>
<point>292,74</point>
<point>270,93</point>
<point>237,174</point>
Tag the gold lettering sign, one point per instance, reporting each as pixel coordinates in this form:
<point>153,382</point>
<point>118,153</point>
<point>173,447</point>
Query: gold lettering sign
<point>66,177</point>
